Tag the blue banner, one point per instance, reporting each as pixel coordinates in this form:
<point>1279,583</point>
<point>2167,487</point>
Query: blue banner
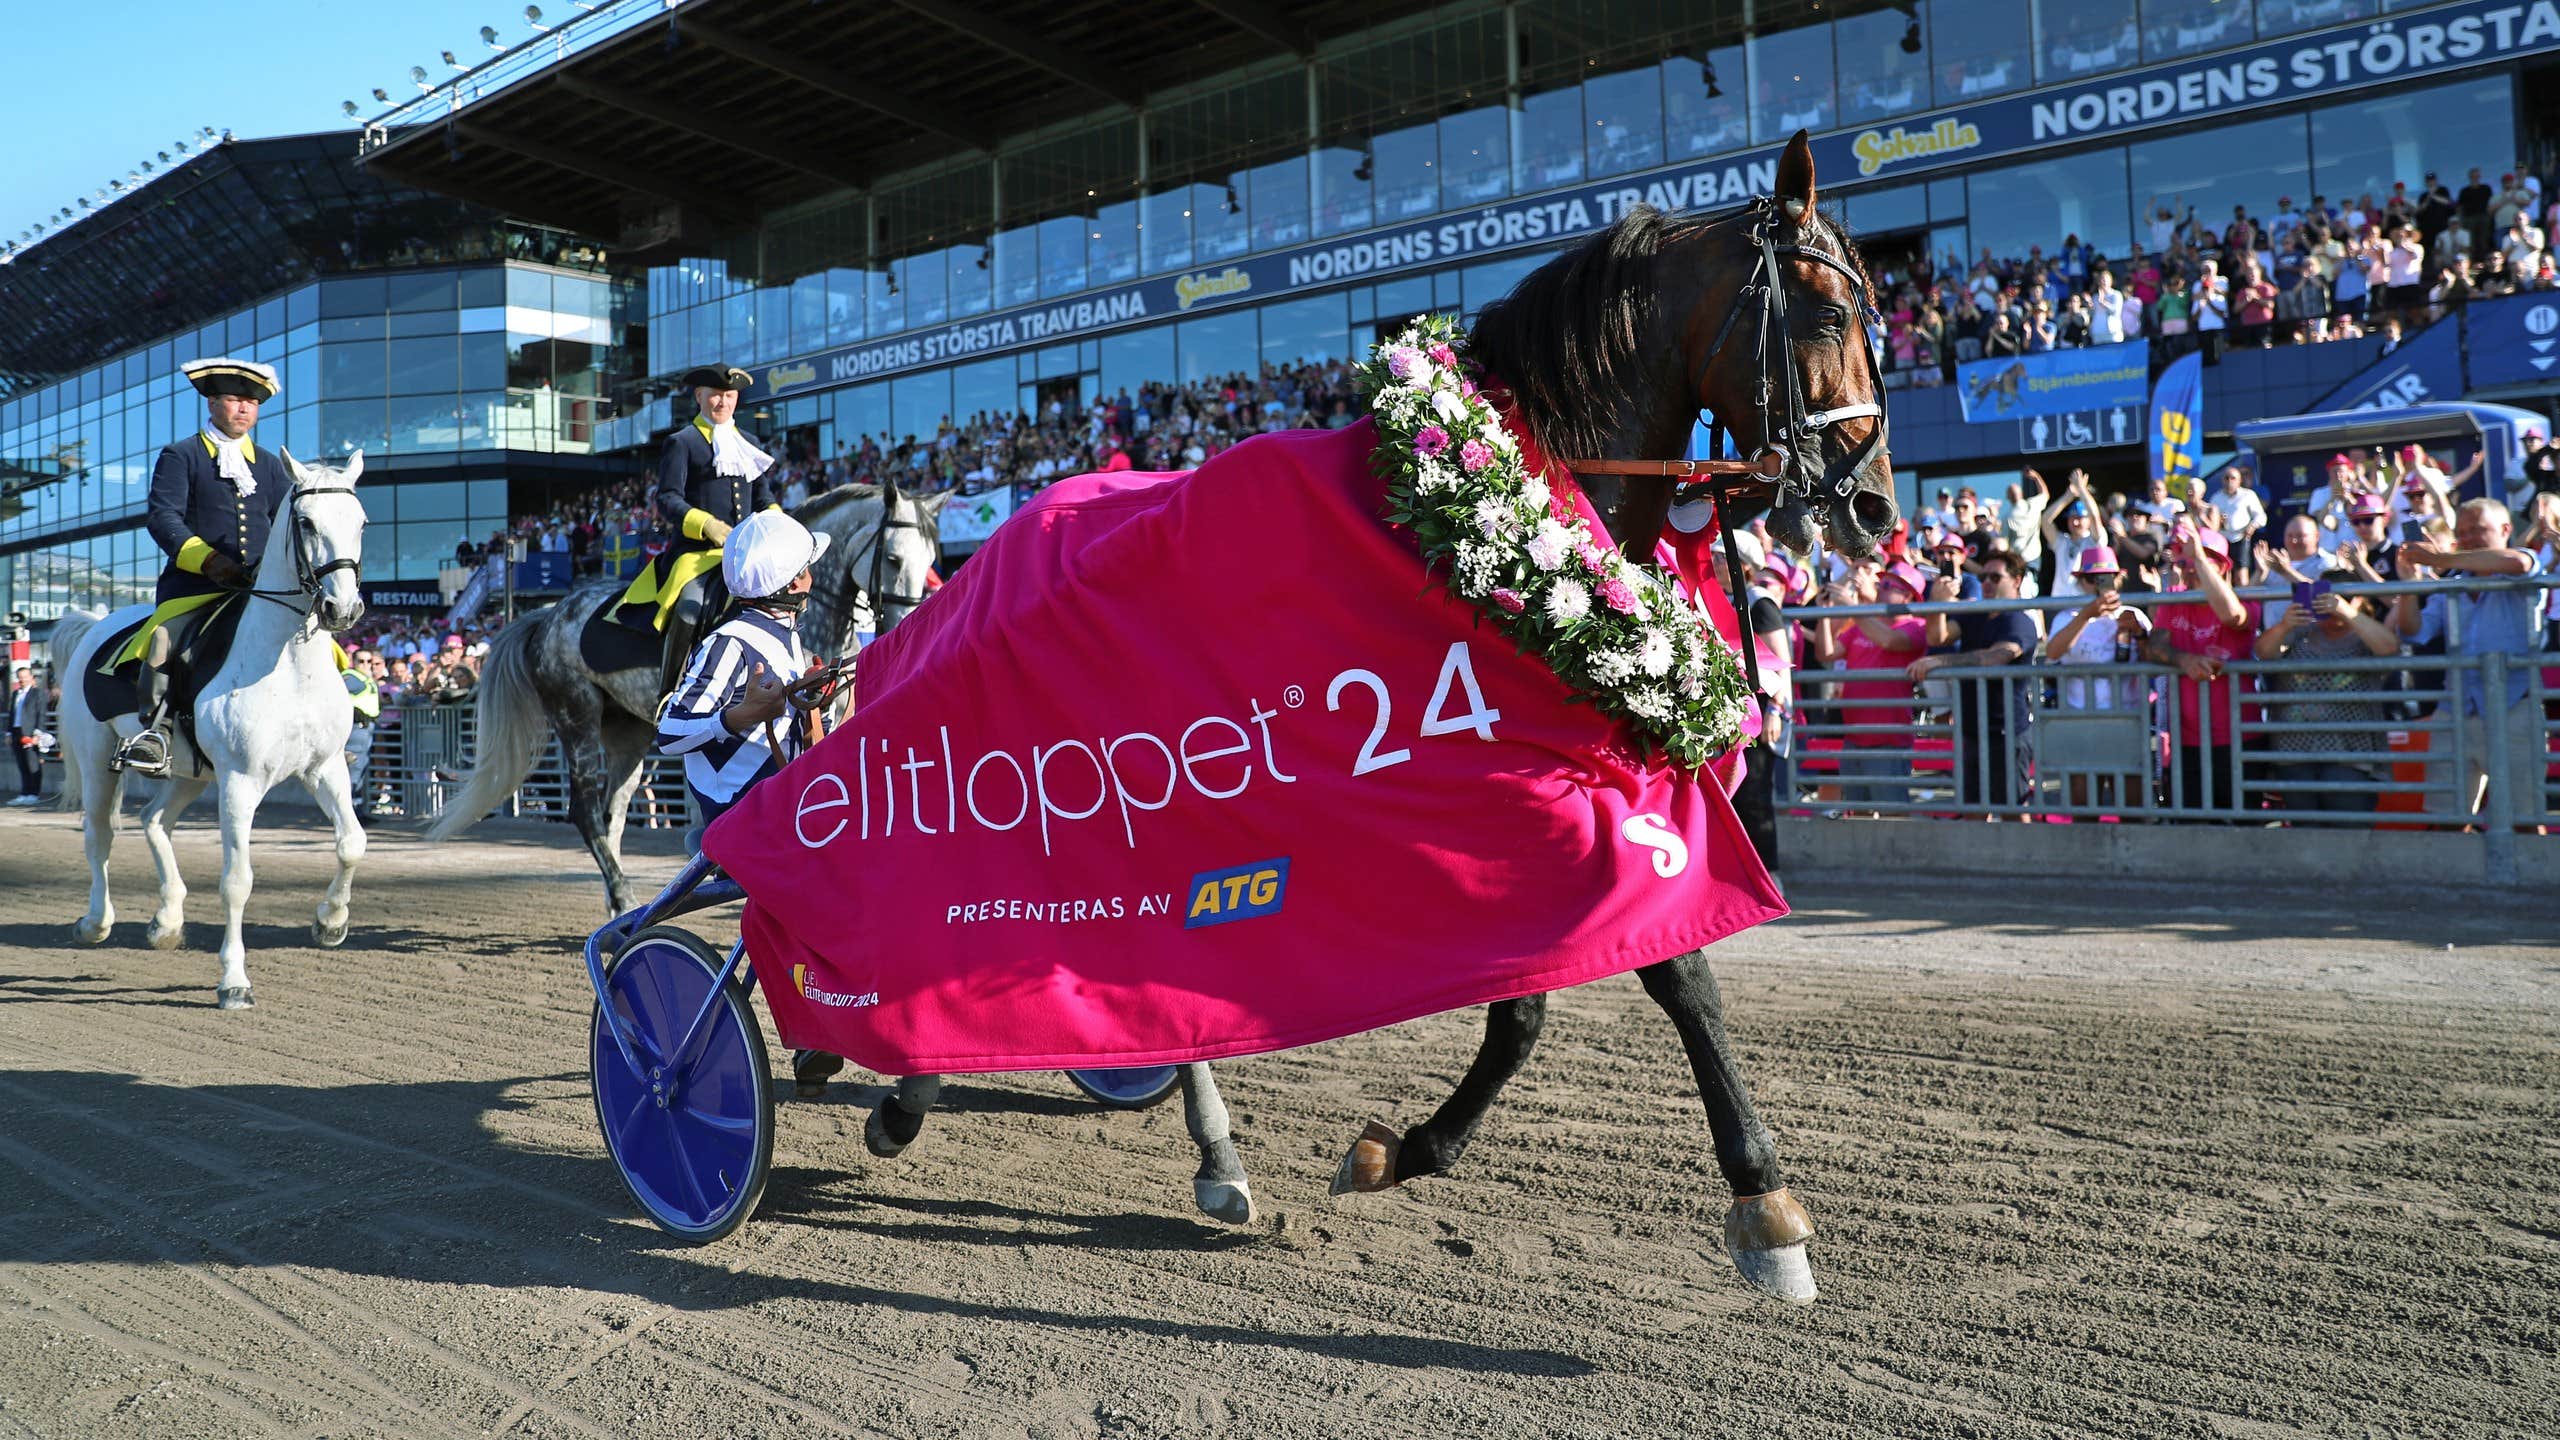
<point>2177,422</point>
<point>2053,383</point>
<point>2325,63</point>
<point>2514,340</point>
<point>2426,368</point>
<point>543,570</point>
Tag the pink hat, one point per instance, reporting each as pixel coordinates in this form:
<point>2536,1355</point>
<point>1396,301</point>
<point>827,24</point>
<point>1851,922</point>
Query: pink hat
<point>2367,505</point>
<point>2342,461</point>
<point>2098,560</point>
<point>2214,545</point>
<point>453,642</point>
<point>1906,575</point>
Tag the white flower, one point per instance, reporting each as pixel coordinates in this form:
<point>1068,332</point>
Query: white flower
<point>1423,376</point>
<point>1550,545</point>
<point>1534,490</point>
<point>1450,406</point>
<point>1499,437</point>
<point>1433,476</point>
<point>1649,704</point>
<point>1654,656</point>
<point>1692,682</point>
<point>1612,667</point>
<point>1478,567</point>
<point>1495,519</point>
<point>1569,600</point>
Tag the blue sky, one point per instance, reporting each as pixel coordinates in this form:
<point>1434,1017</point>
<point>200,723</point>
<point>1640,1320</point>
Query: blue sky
<point>96,87</point>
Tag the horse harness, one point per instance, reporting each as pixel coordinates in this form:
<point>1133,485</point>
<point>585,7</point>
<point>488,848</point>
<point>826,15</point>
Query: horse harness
<point>892,517</point>
<point>1786,425</point>
<point>307,577</point>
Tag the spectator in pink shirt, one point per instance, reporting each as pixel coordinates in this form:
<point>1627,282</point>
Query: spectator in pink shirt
<point>1867,643</point>
<point>2199,640</point>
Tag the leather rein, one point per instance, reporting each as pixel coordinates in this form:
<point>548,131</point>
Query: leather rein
<point>308,577</point>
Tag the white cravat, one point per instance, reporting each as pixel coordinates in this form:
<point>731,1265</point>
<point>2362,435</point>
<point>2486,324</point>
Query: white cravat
<point>734,454</point>
<point>230,463</point>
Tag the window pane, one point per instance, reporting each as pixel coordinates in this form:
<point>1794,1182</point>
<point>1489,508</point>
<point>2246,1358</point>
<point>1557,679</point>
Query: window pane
<point>771,336</point>
<point>1111,244</point>
<point>862,412</point>
<point>1164,232</point>
<point>1136,358</point>
<point>360,295</point>
<point>1475,157</point>
<point>808,312</point>
<point>1904,207</point>
<point>1702,104</point>
<point>352,425</point>
<point>2041,204</point>
<point>2244,166</point>
<point>2082,37</point>
<point>927,279</point>
<point>1017,268</point>
<point>2359,149</point>
<point>1550,140</point>
<point>1879,78</point>
<point>888,303</point>
<point>1979,47</point>
<point>350,369</point>
<point>845,311</point>
<point>1217,223</point>
<point>433,290</point>
<point>1342,189</point>
<point>983,388</point>
<point>423,367</point>
<point>1216,346</point>
<point>1791,82</point>
<point>1300,330</point>
<point>1278,195</point>
<point>1491,281</point>
<point>1408,174</point>
<point>1622,120</point>
<point>2185,27</point>
<point>972,279</point>
<point>1062,260</point>
<point>2285,17</point>
<point>918,404</point>
<point>529,289</point>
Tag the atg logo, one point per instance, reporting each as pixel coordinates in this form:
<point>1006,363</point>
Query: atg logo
<point>1240,893</point>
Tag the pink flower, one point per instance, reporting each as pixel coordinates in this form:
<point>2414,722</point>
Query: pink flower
<point>1510,601</point>
<point>1616,595</point>
<point>1594,561</point>
<point>1443,355</point>
<point>1430,441</point>
<point>1473,456</point>
<point>1404,362</point>
<point>1557,507</point>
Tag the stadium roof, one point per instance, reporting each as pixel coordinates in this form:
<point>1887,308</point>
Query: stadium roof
<point>731,109</point>
<point>238,222</point>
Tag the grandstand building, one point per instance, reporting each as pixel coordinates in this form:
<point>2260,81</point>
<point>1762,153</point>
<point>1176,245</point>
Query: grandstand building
<point>466,353</point>
<point>923,209</point>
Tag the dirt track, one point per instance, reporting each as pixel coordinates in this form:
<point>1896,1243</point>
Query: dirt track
<point>2198,1164</point>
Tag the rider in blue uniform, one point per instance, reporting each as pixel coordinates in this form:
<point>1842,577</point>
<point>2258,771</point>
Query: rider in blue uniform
<point>213,496</point>
<point>711,476</point>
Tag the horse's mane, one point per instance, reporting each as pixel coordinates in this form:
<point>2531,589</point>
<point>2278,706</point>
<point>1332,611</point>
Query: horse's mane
<point>1570,339</point>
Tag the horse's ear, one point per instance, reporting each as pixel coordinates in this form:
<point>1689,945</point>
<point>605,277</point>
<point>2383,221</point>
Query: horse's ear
<point>1795,178</point>
<point>293,467</point>
<point>354,469</point>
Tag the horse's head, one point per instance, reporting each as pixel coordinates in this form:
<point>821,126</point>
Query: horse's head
<point>885,542</point>
<point>1613,347</point>
<point>911,541</point>
<point>324,526</point>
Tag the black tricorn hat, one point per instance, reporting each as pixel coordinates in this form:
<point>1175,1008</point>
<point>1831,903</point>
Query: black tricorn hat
<point>717,377</point>
<point>245,378</point>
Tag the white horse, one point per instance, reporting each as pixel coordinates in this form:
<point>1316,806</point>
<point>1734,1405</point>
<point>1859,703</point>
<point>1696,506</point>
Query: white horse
<point>274,711</point>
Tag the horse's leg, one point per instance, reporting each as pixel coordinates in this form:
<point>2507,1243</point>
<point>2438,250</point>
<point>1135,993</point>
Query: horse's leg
<point>328,784</point>
<point>1220,1188</point>
<point>169,922</point>
<point>626,747</point>
<point>894,1126</point>
<point>1766,1229</point>
<point>582,753</point>
<point>101,797</point>
<point>1380,1159</point>
<point>241,794</point>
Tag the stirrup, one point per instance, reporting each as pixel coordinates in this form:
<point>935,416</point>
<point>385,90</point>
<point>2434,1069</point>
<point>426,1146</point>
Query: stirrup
<point>146,754</point>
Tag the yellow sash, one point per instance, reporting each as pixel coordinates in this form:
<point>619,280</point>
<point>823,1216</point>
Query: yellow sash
<point>167,612</point>
<point>682,570</point>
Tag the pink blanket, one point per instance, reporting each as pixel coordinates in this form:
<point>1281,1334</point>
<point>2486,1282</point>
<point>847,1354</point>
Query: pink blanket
<point>1188,766</point>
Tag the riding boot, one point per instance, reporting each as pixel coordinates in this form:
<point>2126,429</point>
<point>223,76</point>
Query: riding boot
<point>147,753</point>
<point>684,623</point>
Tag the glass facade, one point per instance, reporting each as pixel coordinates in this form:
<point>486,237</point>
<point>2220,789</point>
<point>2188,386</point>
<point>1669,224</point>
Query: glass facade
<point>419,363</point>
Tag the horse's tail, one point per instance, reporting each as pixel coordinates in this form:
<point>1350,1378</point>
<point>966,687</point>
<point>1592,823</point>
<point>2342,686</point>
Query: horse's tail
<point>64,647</point>
<point>512,729</point>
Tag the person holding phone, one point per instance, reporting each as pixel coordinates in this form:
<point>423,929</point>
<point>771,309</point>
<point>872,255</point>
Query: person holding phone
<point>2199,641</point>
<point>2103,630</point>
<point>2324,625</point>
<point>2505,621</point>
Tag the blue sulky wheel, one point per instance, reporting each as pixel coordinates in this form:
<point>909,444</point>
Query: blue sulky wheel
<point>696,1151</point>
<point>1131,1089</point>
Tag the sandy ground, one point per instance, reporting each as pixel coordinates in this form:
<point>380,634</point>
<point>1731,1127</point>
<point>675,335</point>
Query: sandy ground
<point>2193,1163</point>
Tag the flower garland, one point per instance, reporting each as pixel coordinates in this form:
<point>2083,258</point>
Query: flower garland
<point>1616,632</point>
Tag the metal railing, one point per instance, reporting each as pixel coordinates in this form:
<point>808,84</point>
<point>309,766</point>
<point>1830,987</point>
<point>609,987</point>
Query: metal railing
<point>2406,741</point>
<point>581,28</point>
<point>418,755</point>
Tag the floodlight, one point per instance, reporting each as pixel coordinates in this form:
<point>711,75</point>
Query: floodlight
<point>418,77</point>
<point>449,60</point>
<point>533,16</point>
<point>381,94</point>
<point>489,37</point>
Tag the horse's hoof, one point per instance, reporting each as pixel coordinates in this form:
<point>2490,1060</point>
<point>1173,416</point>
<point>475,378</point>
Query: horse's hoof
<point>1784,1272</point>
<point>877,1139</point>
<point>1371,1165</point>
<point>1229,1202</point>
<point>811,1070</point>
<point>233,997</point>
<point>328,936</point>
<point>1765,1235</point>
<point>83,933</point>
<point>168,937</point>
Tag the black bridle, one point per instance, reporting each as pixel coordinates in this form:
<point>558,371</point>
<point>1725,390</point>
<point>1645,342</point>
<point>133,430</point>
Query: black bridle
<point>308,577</point>
<point>892,517</point>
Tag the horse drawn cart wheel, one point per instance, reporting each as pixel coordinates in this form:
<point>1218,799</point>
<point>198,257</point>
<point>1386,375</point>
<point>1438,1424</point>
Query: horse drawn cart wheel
<point>1131,1089</point>
<point>692,1135</point>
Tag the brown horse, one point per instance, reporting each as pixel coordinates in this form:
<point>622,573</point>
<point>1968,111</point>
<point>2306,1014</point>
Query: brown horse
<point>1611,350</point>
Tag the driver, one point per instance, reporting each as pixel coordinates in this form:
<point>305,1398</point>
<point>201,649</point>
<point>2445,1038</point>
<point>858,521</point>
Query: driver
<point>213,496</point>
<point>711,476</point>
<point>729,716</point>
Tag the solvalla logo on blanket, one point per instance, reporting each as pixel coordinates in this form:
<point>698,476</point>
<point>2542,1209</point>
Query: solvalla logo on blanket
<point>820,995</point>
<point>1240,892</point>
